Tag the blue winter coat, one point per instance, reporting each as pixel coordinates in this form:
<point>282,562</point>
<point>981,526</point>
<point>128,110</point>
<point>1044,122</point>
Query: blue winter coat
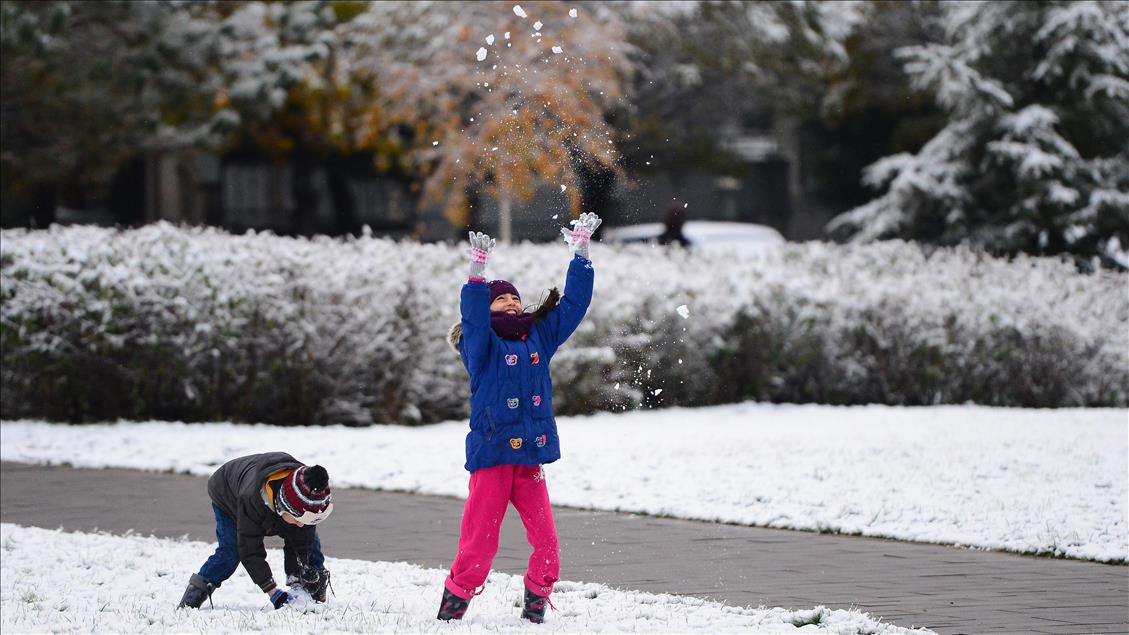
<point>511,394</point>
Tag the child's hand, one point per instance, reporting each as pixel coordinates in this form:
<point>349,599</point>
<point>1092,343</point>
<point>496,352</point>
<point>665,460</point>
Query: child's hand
<point>582,230</point>
<point>480,246</point>
<point>279,598</point>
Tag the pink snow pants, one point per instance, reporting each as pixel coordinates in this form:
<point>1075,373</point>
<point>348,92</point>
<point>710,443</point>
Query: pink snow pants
<point>492,489</point>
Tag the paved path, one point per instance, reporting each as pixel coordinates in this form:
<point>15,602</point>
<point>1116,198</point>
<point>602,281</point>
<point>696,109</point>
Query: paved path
<point>946,589</point>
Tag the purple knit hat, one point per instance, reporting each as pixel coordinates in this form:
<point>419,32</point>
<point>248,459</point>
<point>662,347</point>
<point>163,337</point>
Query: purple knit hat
<point>501,287</point>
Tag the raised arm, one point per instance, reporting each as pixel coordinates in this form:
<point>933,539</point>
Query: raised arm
<point>474,305</point>
<point>563,320</point>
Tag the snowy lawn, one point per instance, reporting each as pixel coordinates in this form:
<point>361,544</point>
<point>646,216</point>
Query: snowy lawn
<point>1033,481</point>
<point>63,582</point>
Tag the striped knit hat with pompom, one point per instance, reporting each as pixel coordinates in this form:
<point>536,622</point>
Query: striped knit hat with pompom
<point>306,495</point>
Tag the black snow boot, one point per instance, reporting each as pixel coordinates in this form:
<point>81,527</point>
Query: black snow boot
<point>315,581</point>
<point>198,590</point>
<point>452,607</point>
<point>534,610</point>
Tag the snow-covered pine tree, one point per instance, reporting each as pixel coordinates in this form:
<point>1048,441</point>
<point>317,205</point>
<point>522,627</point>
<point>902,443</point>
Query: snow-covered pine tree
<point>1034,156</point>
<point>255,60</point>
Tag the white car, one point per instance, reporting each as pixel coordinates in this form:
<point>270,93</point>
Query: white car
<point>703,235</point>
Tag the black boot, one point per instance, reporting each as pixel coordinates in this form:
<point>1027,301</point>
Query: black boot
<point>534,610</point>
<point>452,607</point>
<point>198,590</point>
<point>315,581</point>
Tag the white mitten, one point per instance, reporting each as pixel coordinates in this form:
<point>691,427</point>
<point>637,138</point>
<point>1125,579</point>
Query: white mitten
<point>581,234</point>
<point>480,246</point>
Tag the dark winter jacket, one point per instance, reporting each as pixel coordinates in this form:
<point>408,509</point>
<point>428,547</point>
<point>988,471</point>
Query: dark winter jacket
<point>238,488</point>
<point>511,394</point>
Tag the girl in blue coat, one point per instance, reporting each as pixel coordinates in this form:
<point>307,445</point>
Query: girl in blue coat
<point>506,352</point>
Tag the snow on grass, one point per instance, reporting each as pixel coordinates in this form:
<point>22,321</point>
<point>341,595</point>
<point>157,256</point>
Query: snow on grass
<point>74,582</point>
<point>1033,481</point>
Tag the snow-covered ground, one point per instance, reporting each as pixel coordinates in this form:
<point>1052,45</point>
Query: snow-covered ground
<point>63,582</point>
<point>1035,481</point>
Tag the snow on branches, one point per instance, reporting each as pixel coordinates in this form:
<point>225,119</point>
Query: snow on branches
<point>1032,158</point>
<point>195,324</point>
<point>481,98</point>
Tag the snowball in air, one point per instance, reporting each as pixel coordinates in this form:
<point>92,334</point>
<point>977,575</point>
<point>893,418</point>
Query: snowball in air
<point>572,13</point>
<point>481,54</point>
<point>490,39</point>
<point>507,35</point>
<point>519,12</point>
<point>683,310</point>
<point>658,391</point>
<point>537,25</point>
<point>558,50</point>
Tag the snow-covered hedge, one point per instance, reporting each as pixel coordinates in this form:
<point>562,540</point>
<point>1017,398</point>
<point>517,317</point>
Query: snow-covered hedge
<point>194,324</point>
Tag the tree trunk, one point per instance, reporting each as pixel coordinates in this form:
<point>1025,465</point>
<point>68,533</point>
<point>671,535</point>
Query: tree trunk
<point>44,201</point>
<point>345,216</point>
<point>302,192</point>
<point>505,219</point>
